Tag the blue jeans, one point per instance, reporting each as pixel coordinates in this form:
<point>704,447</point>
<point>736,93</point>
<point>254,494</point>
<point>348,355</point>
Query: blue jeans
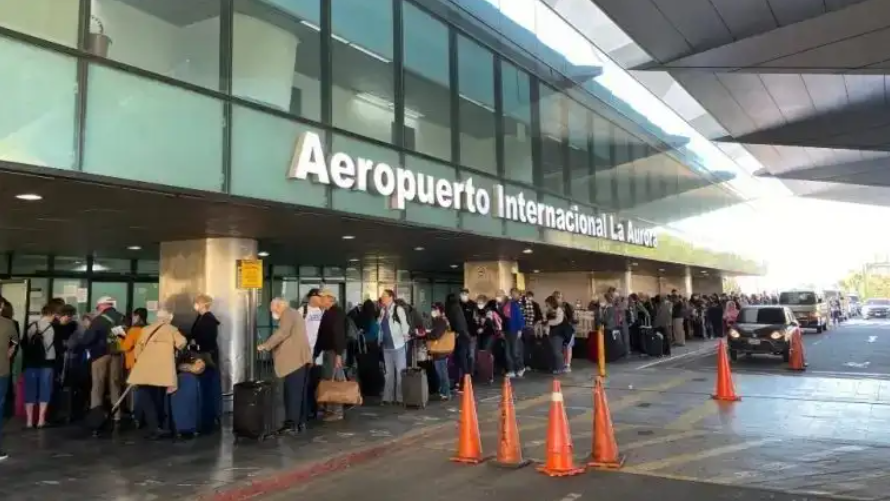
<point>295,396</point>
<point>514,351</point>
<point>441,366</point>
<point>4,385</point>
<point>557,344</point>
<point>38,385</point>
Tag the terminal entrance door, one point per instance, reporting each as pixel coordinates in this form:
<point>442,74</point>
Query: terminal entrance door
<point>16,292</point>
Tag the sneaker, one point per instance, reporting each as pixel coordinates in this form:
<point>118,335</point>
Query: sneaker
<point>3,456</point>
<point>568,369</point>
<point>520,373</point>
<point>511,375</point>
<point>444,398</point>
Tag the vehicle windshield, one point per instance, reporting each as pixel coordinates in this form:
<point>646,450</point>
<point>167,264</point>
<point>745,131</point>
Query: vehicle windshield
<point>762,316</point>
<point>796,298</point>
<point>853,298</point>
<point>878,302</point>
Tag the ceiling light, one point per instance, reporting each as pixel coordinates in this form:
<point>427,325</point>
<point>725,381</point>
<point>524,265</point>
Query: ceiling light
<point>348,237</point>
<point>354,260</point>
<point>134,247</point>
<point>527,251</point>
<point>661,269</point>
<point>418,248</point>
<point>634,264</point>
<point>262,254</point>
<point>453,266</point>
<point>29,197</point>
<point>536,271</point>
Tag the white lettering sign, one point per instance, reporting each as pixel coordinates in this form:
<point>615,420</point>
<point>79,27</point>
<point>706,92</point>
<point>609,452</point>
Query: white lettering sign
<point>402,186</point>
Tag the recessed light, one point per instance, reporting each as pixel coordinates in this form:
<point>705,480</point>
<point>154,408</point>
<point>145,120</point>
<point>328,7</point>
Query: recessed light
<point>634,264</point>
<point>29,197</point>
<point>354,260</point>
<point>661,269</point>
<point>454,266</point>
<point>527,251</point>
<point>348,237</point>
<point>134,247</point>
<point>418,248</point>
<point>262,254</point>
<point>536,271</point>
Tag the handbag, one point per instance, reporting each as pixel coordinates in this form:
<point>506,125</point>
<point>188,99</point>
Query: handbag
<point>191,362</point>
<point>442,346</point>
<point>338,391</point>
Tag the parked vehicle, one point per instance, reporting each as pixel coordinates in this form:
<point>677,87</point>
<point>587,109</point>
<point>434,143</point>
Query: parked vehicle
<point>763,329</point>
<point>809,307</point>
<point>854,305</point>
<point>876,308</point>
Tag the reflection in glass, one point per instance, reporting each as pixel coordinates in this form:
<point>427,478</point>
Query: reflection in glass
<point>151,132</point>
<point>603,162</point>
<point>425,213</point>
<point>37,121</point>
<point>516,91</point>
<point>53,20</point>
<point>580,175</point>
<point>362,51</point>
<point>427,77</point>
<point>553,136</point>
<point>477,114</point>
<point>181,42</point>
<point>276,55</point>
<point>624,170</point>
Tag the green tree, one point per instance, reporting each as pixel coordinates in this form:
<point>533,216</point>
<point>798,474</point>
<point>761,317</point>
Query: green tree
<point>867,284</point>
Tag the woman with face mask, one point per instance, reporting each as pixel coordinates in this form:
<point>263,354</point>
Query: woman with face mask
<point>440,362</point>
<point>203,338</point>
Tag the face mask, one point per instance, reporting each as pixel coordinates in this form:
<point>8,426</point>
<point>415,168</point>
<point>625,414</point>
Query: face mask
<point>198,308</point>
<point>434,314</point>
<point>276,316</point>
<point>464,297</point>
<point>480,305</point>
<point>500,299</point>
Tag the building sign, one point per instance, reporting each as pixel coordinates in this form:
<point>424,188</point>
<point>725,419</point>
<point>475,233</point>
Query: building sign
<point>250,274</point>
<point>401,186</point>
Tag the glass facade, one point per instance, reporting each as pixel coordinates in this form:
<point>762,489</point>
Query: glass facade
<point>212,95</point>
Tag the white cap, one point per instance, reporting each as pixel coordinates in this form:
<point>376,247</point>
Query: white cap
<point>105,300</point>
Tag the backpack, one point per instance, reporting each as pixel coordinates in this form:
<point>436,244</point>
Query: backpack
<point>415,318</point>
<point>33,348</point>
<point>351,329</point>
<point>569,314</point>
<point>113,341</point>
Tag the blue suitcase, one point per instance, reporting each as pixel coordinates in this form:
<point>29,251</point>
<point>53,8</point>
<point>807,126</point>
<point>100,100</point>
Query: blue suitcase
<point>185,404</point>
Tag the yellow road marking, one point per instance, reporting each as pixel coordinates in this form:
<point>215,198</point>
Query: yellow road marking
<point>697,456</point>
<point>693,416</point>
<point>674,437</point>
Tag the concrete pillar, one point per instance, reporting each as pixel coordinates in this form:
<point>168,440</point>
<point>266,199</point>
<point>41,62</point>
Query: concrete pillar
<point>627,284</point>
<point>687,282</point>
<point>208,266</point>
<point>487,277</point>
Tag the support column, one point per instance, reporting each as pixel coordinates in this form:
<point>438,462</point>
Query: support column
<point>627,283</point>
<point>687,282</point>
<point>487,277</point>
<point>208,266</point>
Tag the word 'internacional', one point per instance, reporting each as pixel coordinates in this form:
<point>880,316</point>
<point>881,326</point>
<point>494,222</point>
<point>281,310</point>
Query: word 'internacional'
<point>402,186</point>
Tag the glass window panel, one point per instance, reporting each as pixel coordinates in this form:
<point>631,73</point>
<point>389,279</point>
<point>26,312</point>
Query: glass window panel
<point>144,293</point>
<point>427,78</point>
<point>641,153</point>
<point>284,271</point>
<point>519,229</point>
<point>53,20</point>
<point>477,103</point>
<point>37,123</point>
<point>553,136</point>
<point>152,132</point>
<point>115,290</point>
<point>310,272</point>
<point>24,264</point>
<point>624,170</point>
<point>109,265</point>
<point>4,263</point>
<point>487,224</point>
<point>369,202</point>
<point>66,288</point>
<point>362,52</point>
<point>580,174</point>
<point>440,292</point>
<point>430,214</point>
<point>276,54</point>
<point>603,161</point>
<point>423,295</point>
<point>68,264</point>
<point>38,296</point>
<point>516,89</point>
<point>180,42</point>
<point>148,267</point>
<point>262,150</point>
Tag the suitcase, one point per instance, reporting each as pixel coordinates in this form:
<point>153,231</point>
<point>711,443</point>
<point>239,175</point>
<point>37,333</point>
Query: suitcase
<point>653,342</point>
<point>415,386</point>
<point>485,366</point>
<point>614,344</point>
<point>370,375</point>
<point>541,356</point>
<point>61,405</point>
<point>253,410</point>
<point>185,404</point>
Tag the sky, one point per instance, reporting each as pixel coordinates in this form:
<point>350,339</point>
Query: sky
<point>801,240</point>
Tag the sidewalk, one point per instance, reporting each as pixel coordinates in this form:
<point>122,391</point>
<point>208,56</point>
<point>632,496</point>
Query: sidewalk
<point>65,463</point>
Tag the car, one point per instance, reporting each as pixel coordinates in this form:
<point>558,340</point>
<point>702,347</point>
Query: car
<point>763,329</point>
<point>809,307</point>
<point>876,308</point>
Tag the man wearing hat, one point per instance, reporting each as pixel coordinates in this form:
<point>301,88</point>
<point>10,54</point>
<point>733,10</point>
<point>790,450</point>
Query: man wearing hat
<point>102,345</point>
<point>331,345</point>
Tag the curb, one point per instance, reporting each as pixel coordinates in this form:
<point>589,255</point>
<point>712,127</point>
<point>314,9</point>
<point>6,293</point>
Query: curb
<point>284,480</point>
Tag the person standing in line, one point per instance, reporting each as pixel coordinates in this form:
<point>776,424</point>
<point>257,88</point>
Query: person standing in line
<point>312,313</point>
<point>515,322</point>
<point>8,342</point>
<point>463,351</point>
<point>678,320</point>
<point>39,360</point>
<point>394,335</point>
<point>291,357</point>
<point>331,344</point>
<point>106,364</point>
<point>203,337</point>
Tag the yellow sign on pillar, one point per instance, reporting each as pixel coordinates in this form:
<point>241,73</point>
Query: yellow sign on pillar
<point>250,273</point>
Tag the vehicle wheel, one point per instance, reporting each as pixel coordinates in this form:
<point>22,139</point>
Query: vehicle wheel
<point>786,355</point>
<point>733,355</point>
<point>818,329</point>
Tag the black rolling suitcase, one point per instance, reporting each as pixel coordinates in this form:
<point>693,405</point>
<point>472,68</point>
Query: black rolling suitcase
<point>653,342</point>
<point>253,413</point>
<point>615,349</point>
<point>370,375</point>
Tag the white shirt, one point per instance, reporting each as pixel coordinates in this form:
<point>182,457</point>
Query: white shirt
<point>313,321</point>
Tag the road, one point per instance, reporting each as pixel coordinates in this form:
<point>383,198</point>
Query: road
<point>818,435</point>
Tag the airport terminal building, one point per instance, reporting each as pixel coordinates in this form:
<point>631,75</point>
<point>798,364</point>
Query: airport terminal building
<point>422,145</point>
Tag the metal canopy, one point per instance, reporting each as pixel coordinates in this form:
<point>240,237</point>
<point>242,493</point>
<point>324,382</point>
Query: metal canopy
<point>802,84</point>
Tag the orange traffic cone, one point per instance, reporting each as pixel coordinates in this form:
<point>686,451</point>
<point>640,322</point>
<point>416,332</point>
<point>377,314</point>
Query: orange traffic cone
<point>469,441</point>
<point>797,360</point>
<point>560,461</point>
<point>605,447</point>
<point>725,388</point>
<point>509,445</point>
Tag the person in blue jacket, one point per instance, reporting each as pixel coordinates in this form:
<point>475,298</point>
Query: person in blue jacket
<point>514,322</point>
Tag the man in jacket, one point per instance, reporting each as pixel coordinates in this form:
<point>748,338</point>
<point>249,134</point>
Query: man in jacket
<point>515,322</point>
<point>291,357</point>
<point>8,341</point>
<point>154,373</point>
<point>678,320</point>
<point>394,334</point>
<point>101,342</point>
<point>463,349</point>
<point>331,344</point>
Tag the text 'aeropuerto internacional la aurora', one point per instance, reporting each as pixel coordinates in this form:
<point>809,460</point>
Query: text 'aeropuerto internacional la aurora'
<point>402,186</point>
